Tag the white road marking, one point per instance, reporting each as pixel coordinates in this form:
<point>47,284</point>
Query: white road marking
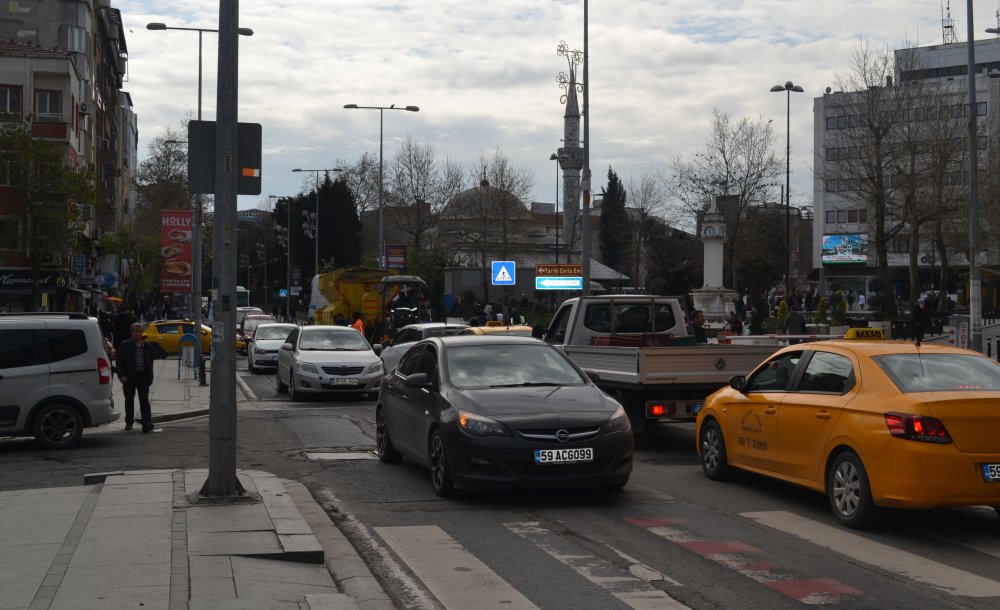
<point>454,575</point>
<point>634,591</point>
<point>938,575</point>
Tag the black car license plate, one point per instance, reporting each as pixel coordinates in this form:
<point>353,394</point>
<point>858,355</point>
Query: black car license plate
<point>564,456</point>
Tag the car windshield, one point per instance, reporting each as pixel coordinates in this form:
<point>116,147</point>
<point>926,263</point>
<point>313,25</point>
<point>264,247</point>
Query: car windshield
<point>270,333</point>
<point>329,339</point>
<point>253,323</point>
<point>941,372</point>
<point>444,331</point>
<point>493,366</point>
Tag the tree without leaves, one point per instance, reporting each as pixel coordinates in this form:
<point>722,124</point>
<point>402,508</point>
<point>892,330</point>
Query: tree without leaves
<point>53,197</point>
<point>738,163</point>
<point>648,200</point>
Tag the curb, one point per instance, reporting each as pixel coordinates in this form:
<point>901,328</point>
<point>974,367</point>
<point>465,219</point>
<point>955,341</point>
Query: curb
<point>349,571</point>
<point>167,417</point>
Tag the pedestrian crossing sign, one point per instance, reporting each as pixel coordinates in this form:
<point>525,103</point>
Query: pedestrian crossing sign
<point>504,273</point>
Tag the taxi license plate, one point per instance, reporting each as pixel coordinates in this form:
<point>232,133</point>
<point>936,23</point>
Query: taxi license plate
<point>274,358</point>
<point>564,456</point>
<point>991,473</point>
<point>344,381</point>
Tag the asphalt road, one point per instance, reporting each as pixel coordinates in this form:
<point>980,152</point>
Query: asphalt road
<point>670,539</point>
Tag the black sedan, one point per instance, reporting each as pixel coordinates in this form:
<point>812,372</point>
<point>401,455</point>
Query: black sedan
<point>488,412</point>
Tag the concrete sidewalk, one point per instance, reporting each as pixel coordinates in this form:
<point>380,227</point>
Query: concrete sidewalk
<point>146,539</point>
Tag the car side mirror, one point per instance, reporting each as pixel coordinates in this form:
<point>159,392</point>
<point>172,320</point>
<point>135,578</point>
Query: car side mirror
<point>377,348</point>
<point>592,375</point>
<point>286,346</point>
<point>418,380</point>
<point>738,383</point>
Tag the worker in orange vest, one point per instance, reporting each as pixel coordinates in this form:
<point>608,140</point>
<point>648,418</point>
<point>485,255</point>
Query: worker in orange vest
<point>358,324</point>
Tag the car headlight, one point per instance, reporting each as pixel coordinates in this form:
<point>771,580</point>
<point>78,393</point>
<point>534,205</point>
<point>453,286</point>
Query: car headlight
<point>375,367</point>
<point>477,425</point>
<point>259,350</point>
<point>306,367</point>
<point>618,422</point>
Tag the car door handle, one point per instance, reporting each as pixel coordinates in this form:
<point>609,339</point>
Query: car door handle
<point>823,415</point>
<point>770,410</point>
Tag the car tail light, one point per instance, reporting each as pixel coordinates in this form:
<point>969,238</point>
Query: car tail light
<point>917,428</point>
<point>659,409</point>
<point>103,371</point>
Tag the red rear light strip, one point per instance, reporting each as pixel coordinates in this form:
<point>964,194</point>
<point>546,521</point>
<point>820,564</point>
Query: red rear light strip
<point>917,428</point>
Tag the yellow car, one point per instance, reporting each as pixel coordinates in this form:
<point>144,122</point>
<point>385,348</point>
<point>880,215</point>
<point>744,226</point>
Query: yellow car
<point>165,336</point>
<point>869,423</point>
<point>515,330</point>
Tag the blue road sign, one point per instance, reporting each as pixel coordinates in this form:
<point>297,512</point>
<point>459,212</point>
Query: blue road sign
<point>558,283</point>
<point>504,273</point>
<point>282,293</point>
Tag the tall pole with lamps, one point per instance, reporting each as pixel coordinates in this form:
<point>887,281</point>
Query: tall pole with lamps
<point>197,216</point>
<point>314,221</point>
<point>555,157</point>
<point>788,88</point>
<point>381,205</point>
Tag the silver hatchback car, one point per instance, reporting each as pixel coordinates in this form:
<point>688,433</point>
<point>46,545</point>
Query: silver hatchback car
<point>334,359</point>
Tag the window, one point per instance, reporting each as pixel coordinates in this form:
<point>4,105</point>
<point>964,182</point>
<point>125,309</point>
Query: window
<point>775,375</point>
<point>852,215</point>
<point>862,215</point>
<point>10,103</point>
<point>76,39</point>
<point>48,106</point>
<point>557,330</point>
<point>831,122</point>
<point>841,215</point>
<point>18,349</point>
<point>598,318</point>
<point>632,318</point>
<point>842,122</point>
<point>410,362</point>
<point>8,171</point>
<point>66,343</point>
<point>408,335</point>
<point>10,233</point>
<point>940,372</point>
<point>663,317</point>
<point>826,372</point>
<point>831,217</point>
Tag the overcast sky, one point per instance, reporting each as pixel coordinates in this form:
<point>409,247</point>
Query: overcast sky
<point>484,74</point>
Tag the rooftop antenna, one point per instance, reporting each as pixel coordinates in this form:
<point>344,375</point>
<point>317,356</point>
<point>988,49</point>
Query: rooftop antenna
<point>948,25</point>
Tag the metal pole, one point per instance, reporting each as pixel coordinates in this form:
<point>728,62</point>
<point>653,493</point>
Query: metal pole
<point>788,195</point>
<point>288,259</point>
<point>585,225</point>
<point>222,479</point>
<point>381,211</point>
<point>975,280</point>
<point>558,217</point>
<point>196,244</point>
<point>316,230</point>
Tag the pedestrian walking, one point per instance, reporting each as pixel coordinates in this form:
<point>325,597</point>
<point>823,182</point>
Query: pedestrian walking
<point>135,371</point>
<point>795,324</point>
<point>861,301</point>
<point>358,324</point>
<point>735,323</point>
<point>921,321</point>
<point>698,326</point>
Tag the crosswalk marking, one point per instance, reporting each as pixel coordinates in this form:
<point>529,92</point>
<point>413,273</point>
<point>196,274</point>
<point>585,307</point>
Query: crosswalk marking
<point>633,591</point>
<point>454,575</point>
<point>885,557</point>
<point>744,559</point>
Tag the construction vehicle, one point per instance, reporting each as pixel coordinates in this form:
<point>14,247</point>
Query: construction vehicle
<point>386,302</point>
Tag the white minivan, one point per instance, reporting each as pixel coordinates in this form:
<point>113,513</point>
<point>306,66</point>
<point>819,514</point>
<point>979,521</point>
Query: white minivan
<point>55,377</point>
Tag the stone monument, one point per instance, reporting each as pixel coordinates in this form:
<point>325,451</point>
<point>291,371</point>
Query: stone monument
<point>712,298</point>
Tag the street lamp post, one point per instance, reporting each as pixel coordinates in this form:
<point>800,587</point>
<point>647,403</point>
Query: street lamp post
<point>557,159</point>
<point>381,206</point>
<point>788,88</point>
<point>198,207</point>
<point>314,221</point>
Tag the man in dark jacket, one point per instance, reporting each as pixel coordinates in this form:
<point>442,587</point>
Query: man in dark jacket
<point>921,321</point>
<point>135,370</point>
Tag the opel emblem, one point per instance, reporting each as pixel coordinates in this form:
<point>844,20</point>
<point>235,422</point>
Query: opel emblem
<point>720,363</point>
<point>562,435</point>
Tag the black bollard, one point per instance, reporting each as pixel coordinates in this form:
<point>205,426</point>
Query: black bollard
<point>202,379</point>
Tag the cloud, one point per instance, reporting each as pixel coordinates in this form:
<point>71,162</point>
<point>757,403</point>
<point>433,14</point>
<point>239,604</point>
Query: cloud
<point>484,74</point>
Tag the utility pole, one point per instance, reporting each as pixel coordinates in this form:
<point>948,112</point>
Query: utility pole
<point>222,480</point>
<point>585,225</point>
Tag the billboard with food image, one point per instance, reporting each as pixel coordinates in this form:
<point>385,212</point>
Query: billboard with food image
<point>175,251</point>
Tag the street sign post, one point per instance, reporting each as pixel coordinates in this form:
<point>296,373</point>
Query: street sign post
<point>558,283</point>
<point>504,273</point>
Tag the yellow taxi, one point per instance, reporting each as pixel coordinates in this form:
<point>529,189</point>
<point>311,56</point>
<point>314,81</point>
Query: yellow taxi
<point>514,330</point>
<point>869,423</point>
<point>165,336</point>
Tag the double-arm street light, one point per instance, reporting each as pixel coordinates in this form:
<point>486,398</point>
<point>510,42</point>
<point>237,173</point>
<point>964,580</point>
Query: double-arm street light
<point>314,221</point>
<point>557,158</point>
<point>788,88</point>
<point>381,211</point>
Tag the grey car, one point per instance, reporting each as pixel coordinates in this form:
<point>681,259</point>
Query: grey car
<point>327,359</point>
<point>411,333</point>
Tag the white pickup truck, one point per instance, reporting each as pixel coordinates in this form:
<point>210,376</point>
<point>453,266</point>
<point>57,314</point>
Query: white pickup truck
<point>640,351</point>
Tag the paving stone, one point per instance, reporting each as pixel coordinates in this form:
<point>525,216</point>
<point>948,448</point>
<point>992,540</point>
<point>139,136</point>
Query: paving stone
<point>148,598</point>
<point>204,588</point>
<point>212,566</point>
<point>233,543</point>
<point>100,577</point>
<point>17,594</point>
<point>240,517</point>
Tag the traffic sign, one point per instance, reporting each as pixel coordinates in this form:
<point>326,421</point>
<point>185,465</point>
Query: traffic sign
<point>504,273</point>
<point>558,283</point>
<point>282,293</point>
<point>572,270</point>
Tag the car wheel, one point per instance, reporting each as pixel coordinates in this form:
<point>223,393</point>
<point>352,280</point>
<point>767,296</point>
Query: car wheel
<point>714,461</point>
<point>440,472</point>
<point>58,426</point>
<point>292,393</point>
<point>849,492</point>
<point>282,387</point>
<point>387,454</point>
<point>250,365</point>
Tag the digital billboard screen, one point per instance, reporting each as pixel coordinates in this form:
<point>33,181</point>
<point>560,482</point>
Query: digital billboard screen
<point>845,249</point>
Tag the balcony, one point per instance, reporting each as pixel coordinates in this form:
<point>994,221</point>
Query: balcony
<point>48,128</point>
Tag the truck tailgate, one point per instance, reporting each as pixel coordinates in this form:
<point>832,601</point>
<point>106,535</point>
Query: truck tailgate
<point>705,364</point>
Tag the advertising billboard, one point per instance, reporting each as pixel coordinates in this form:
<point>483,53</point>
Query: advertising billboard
<point>175,251</point>
<point>845,249</point>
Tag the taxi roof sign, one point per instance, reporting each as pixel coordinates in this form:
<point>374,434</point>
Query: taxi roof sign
<point>864,334</point>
